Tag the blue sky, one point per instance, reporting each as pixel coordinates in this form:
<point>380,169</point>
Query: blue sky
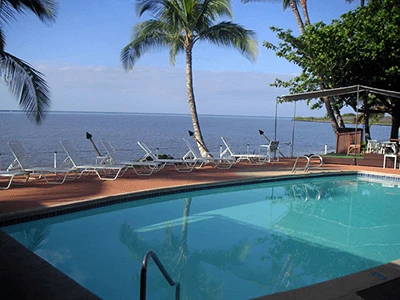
<point>79,54</point>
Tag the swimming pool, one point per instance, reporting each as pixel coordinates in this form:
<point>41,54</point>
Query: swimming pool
<point>234,242</point>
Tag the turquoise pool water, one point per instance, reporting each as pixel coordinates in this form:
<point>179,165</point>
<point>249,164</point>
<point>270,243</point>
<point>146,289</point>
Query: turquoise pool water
<point>226,243</point>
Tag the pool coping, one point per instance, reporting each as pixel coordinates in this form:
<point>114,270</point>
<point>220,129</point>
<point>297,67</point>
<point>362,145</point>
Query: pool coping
<point>340,288</point>
<point>44,212</point>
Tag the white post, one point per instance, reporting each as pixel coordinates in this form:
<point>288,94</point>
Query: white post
<point>55,160</point>
<point>326,149</point>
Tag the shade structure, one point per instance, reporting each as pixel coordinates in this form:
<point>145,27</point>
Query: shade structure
<point>353,89</point>
<point>339,91</point>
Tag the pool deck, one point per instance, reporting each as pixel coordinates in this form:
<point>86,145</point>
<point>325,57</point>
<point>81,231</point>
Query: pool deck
<point>34,197</point>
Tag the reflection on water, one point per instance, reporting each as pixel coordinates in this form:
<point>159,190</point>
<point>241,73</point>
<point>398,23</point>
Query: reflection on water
<point>33,238</point>
<point>227,243</point>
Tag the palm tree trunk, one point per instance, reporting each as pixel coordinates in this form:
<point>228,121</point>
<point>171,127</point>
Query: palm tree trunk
<point>192,104</point>
<point>362,3</point>
<point>296,13</point>
<point>305,12</point>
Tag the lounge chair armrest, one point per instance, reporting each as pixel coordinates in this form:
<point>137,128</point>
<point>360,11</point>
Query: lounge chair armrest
<point>103,159</point>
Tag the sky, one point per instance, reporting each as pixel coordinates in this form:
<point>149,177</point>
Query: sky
<point>79,56</point>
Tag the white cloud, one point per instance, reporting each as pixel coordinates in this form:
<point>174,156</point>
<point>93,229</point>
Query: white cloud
<point>149,89</point>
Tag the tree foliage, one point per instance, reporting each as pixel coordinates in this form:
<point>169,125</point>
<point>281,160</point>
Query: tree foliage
<point>26,83</point>
<point>361,47</point>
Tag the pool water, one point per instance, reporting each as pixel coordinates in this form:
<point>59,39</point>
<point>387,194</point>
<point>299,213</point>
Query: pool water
<point>225,243</point>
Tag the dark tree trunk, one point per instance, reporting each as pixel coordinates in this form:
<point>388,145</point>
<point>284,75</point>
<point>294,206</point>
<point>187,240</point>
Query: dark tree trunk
<point>394,133</point>
<point>330,113</point>
<point>338,117</point>
<point>367,132</point>
<point>362,3</point>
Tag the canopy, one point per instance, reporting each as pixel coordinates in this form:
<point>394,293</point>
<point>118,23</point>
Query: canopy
<point>339,91</point>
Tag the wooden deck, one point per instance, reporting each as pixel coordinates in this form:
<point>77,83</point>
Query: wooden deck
<point>369,160</point>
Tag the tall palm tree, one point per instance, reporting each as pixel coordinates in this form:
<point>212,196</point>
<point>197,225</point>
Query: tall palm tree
<point>293,6</point>
<point>26,83</point>
<point>332,112</point>
<point>362,2</point>
<point>296,13</point>
<point>179,25</point>
<point>304,7</point>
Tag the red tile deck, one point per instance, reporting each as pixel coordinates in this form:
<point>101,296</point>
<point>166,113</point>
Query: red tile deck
<point>36,194</point>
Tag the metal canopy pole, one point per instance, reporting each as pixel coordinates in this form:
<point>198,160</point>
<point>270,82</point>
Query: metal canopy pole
<point>358,97</point>
<point>293,129</point>
<point>276,123</point>
<point>276,118</point>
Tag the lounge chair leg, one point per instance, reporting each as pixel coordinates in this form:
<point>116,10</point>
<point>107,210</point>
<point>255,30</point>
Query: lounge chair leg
<point>8,184</point>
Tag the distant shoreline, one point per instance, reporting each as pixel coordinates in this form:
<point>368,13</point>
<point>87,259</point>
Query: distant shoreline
<point>386,121</point>
<point>144,113</point>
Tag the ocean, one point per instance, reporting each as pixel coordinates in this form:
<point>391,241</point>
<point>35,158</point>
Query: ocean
<point>162,131</point>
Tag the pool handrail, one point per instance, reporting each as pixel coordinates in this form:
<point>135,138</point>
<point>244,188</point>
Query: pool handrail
<point>308,158</point>
<point>143,275</point>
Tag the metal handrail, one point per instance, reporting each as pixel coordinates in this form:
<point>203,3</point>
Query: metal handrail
<point>143,275</point>
<point>308,158</point>
<point>321,161</point>
<point>296,161</point>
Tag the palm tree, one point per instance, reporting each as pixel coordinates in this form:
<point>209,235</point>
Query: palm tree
<point>26,83</point>
<point>179,25</point>
<point>293,5</point>
<point>362,2</point>
<point>295,10</point>
<point>304,7</point>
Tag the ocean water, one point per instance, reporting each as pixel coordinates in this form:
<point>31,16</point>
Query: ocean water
<point>162,131</point>
<point>226,243</point>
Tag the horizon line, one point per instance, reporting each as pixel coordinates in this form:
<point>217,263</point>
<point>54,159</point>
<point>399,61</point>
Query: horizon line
<point>138,113</point>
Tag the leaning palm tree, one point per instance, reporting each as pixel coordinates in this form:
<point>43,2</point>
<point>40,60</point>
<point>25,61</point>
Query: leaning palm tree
<point>362,2</point>
<point>26,83</point>
<point>304,7</point>
<point>179,25</point>
<point>293,6</point>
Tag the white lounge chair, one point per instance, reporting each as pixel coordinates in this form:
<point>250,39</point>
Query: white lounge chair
<point>181,165</point>
<point>103,170</point>
<point>271,148</point>
<point>139,167</point>
<point>252,158</point>
<point>22,161</point>
<point>220,163</point>
<point>11,175</point>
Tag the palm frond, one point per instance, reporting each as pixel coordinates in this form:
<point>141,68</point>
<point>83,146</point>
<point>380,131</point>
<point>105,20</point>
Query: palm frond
<point>285,3</point>
<point>217,8</point>
<point>177,46</point>
<point>44,9</point>
<point>2,40</point>
<point>27,84</point>
<point>7,12</point>
<point>232,35</point>
<point>147,35</point>
<point>151,6</point>
<point>210,10</point>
